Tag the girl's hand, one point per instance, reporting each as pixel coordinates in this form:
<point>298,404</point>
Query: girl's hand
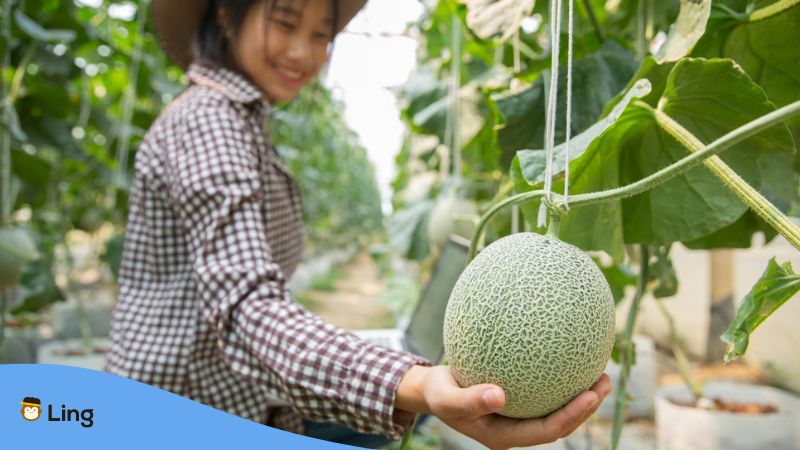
<point>471,411</point>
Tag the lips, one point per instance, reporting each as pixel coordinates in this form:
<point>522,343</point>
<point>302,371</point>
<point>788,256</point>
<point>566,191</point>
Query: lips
<point>288,76</point>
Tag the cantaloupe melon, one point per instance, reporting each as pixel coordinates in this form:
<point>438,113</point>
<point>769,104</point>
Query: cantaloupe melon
<point>533,315</point>
<point>451,215</point>
<point>16,249</point>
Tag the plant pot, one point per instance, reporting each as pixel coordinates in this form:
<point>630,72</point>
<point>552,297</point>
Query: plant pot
<point>688,428</point>
<point>642,382</point>
<point>70,352</point>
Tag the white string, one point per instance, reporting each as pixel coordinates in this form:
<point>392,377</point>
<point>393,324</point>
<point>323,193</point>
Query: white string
<point>456,86</point>
<point>569,103</point>
<point>515,210</point>
<point>550,114</point>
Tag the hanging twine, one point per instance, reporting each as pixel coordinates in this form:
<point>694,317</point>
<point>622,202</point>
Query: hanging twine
<point>551,108</point>
<point>515,210</point>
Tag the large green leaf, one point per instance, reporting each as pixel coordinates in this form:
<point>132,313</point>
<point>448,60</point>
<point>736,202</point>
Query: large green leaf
<point>534,162</point>
<point>596,79</point>
<point>776,286</point>
<point>765,47</point>
<point>408,229</point>
<point>709,98</point>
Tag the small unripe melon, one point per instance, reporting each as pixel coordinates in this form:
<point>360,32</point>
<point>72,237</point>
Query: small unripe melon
<point>450,216</point>
<point>533,315</point>
<point>16,249</point>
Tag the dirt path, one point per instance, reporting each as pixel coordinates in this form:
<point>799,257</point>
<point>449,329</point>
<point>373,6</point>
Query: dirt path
<point>354,304</point>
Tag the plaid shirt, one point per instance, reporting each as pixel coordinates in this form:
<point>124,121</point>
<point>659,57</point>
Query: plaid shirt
<point>214,230</point>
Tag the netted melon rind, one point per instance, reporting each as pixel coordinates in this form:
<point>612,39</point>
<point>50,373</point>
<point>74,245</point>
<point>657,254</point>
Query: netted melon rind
<point>533,315</point>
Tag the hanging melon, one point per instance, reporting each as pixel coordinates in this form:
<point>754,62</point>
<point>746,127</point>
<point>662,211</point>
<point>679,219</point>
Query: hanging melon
<point>533,315</point>
<point>451,215</point>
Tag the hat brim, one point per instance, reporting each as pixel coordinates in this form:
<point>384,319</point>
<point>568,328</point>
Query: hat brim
<point>175,22</point>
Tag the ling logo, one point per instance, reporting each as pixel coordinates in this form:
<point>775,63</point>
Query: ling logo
<point>31,408</point>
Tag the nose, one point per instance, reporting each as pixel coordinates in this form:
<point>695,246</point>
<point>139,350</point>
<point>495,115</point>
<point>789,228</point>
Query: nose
<point>299,50</point>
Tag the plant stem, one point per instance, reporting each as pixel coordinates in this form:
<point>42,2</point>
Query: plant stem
<point>593,18</point>
<point>5,159</point>
<point>406,442</point>
<point>731,138</point>
<point>641,43</point>
<point>749,195</point>
<point>771,10</point>
<point>5,139</point>
<point>680,356</point>
<point>554,226</point>
<point>627,350</point>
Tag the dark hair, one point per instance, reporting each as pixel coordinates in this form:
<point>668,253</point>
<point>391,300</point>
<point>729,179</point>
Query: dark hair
<point>210,42</point>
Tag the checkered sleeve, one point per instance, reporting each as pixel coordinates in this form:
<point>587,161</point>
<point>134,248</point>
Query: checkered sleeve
<point>323,372</point>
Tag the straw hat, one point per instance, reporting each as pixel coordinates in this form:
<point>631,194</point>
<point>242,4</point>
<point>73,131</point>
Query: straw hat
<point>176,20</point>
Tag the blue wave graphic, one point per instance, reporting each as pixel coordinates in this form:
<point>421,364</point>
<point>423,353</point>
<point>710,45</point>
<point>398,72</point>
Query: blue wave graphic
<point>125,414</point>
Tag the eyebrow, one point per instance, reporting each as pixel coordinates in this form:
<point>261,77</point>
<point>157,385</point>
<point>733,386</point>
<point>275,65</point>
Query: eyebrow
<point>284,8</point>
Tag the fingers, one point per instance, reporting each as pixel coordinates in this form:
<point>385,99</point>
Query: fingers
<point>470,411</point>
<point>602,387</point>
<point>519,433</point>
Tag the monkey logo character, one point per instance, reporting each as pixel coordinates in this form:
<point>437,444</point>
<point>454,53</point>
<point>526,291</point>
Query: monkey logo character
<point>31,408</point>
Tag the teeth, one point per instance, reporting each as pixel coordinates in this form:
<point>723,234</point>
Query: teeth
<point>290,73</point>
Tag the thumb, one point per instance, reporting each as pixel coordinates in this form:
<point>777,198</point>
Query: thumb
<point>481,400</point>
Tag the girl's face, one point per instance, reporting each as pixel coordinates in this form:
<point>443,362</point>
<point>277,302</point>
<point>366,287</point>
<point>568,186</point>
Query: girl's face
<point>283,44</point>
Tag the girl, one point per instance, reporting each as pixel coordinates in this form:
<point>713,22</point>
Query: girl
<point>214,231</point>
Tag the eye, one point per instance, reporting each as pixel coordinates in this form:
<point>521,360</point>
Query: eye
<point>322,36</point>
<point>284,24</point>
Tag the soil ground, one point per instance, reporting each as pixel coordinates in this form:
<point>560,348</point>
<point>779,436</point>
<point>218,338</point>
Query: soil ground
<point>352,303</point>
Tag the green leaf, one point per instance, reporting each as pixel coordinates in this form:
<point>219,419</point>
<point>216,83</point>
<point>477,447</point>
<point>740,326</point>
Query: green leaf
<point>39,33</point>
<point>408,229</point>
<point>13,123</point>
<point>686,31</point>
<point>533,163</point>
<point>663,279</point>
<point>38,289</point>
<point>113,253</point>
<point>776,286</point>
<point>619,277</point>
<point>766,49</point>
<point>596,79</point>
<point>32,169</point>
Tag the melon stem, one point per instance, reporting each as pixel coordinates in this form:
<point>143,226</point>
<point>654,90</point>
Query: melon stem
<point>626,347</point>
<point>553,227</point>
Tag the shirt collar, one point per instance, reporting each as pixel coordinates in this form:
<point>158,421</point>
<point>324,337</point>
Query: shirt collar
<point>231,84</point>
